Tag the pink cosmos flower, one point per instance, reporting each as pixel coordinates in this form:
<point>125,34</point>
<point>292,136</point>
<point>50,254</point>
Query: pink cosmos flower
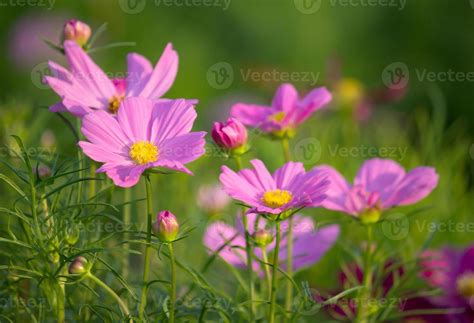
<point>212,198</point>
<point>144,135</point>
<point>85,87</point>
<point>309,244</point>
<point>289,188</point>
<point>286,112</point>
<point>380,184</point>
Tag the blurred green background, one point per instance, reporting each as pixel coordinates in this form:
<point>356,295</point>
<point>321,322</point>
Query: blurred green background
<point>432,120</point>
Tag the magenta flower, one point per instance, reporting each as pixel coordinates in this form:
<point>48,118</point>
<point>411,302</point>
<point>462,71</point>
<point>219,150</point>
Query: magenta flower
<point>144,135</point>
<point>286,112</point>
<point>230,135</point>
<point>453,272</point>
<point>380,184</point>
<point>85,87</point>
<point>309,244</point>
<point>289,188</point>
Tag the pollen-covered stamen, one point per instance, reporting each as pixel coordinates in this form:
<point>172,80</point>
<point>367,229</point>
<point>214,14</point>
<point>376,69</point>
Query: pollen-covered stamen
<point>278,117</point>
<point>114,103</point>
<point>276,198</point>
<point>143,152</point>
<point>465,285</point>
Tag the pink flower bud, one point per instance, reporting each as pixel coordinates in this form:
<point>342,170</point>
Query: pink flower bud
<point>78,266</point>
<point>166,226</point>
<point>230,135</point>
<point>263,238</point>
<point>77,31</point>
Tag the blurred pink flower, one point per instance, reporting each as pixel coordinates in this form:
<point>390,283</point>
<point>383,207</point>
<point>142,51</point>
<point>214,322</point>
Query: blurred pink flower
<point>380,184</point>
<point>309,244</point>
<point>286,113</point>
<point>144,135</point>
<point>289,188</point>
<point>212,198</point>
<point>85,87</point>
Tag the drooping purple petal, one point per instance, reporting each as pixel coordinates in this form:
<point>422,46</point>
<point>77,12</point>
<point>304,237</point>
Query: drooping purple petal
<point>337,192</point>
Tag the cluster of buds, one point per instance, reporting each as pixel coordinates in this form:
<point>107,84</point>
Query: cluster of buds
<point>231,136</point>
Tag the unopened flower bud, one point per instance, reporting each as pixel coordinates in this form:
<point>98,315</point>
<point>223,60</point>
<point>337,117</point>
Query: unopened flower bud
<point>44,172</point>
<point>78,266</point>
<point>77,31</point>
<point>263,238</point>
<point>166,226</point>
<point>231,135</point>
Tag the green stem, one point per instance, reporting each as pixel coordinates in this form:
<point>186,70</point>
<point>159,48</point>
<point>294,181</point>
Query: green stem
<point>148,249</point>
<point>80,158</point>
<point>249,252</point>
<point>271,315</point>
<point>60,303</point>
<point>289,257</point>
<point>363,311</point>
<point>92,183</point>
<point>267,270</point>
<point>127,218</point>
<point>173,284</point>
<point>110,291</point>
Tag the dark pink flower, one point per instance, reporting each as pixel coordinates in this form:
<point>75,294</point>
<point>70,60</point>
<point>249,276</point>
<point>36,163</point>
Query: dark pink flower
<point>289,188</point>
<point>145,134</point>
<point>286,113</point>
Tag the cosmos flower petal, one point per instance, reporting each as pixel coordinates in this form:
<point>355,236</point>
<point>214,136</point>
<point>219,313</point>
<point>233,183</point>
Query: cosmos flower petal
<point>134,117</point>
<point>162,76</point>
<point>72,92</point>
<point>315,100</point>
<point>285,97</point>
<point>58,107</point>
<point>103,129</point>
<point>138,72</point>
<point>337,191</point>
<point>184,148</point>
<point>415,186</point>
<point>87,73</point>
<point>251,114</point>
<point>263,176</point>
<point>227,241</point>
<point>380,175</point>
<point>238,187</point>
<point>171,119</point>
<point>287,173</point>
<point>123,174</point>
<point>60,72</point>
<point>173,165</point>
<point>100,154</point>
<point>310,247</point>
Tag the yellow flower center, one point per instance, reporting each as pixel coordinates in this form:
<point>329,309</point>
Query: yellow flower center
<point>278,117</point>
<point>465,285</point>
<point>276,198</point>
<point>114,103</point>
<point>143,152</point>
